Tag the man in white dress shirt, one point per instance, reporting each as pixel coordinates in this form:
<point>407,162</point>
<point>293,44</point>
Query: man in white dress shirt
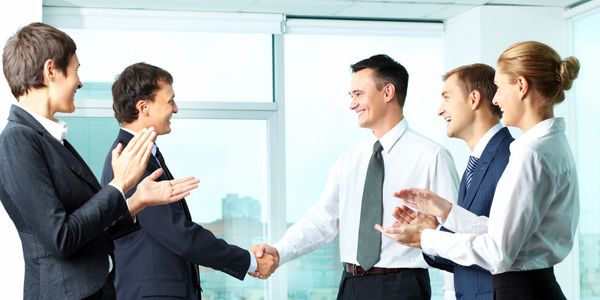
<point>395,156</point>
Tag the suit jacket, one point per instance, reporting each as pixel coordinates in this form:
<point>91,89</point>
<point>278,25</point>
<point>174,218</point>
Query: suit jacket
<point>60,212</point>
<point>160,258</point>
<point>474,282</point>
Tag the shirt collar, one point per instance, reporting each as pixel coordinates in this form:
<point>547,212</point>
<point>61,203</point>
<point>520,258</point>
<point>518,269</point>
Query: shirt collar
<point>57,129</point>
<point>154,147</point>
<point>485,139</point>
<point>389,139</point>
<point>539,130</point>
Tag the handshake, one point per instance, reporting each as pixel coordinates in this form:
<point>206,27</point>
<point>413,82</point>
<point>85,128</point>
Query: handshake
<point>267,259</point>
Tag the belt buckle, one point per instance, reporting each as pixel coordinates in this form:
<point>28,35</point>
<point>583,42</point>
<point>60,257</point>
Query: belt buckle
<point>358,270</point>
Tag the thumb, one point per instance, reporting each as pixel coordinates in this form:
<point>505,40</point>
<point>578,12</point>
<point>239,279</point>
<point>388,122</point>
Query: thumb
<point>117,151</point>
<point>155,175</point>
<point>259,251</point>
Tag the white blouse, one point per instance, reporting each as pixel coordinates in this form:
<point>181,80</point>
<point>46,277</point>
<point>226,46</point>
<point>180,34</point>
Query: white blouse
<point>534,213</point>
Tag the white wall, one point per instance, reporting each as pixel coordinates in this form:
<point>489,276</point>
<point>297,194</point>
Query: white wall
<point>480,35</point>
<point>13,14</point>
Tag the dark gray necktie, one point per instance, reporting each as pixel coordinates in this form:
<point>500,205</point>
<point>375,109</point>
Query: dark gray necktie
<point>371,212</point>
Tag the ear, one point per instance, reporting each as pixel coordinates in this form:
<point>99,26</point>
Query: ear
<point>474,99</point>
<point>142,107</point>
<point>523,86</point>
<point>389,92</point>
<point>49,71</point>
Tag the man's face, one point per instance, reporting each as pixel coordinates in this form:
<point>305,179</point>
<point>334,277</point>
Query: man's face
<point>162,108</point>
<point>455,108</point>
<point>367,101</point>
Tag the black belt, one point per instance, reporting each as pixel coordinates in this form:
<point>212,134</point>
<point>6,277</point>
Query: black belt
<point>357,270</point>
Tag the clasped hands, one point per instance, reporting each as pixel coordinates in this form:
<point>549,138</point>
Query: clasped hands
<point>420,211</point>
<point>267,258</point>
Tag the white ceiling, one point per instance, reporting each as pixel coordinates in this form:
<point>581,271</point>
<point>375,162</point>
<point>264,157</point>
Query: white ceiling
<point>373,9</point>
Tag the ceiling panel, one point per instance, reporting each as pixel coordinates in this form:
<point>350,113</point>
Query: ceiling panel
<point>375,9</point>
<point>300,7</point>
<point>391,10</point>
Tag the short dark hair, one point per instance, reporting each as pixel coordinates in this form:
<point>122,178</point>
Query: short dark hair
<point>139,81</point>
<point>386,70</point>
<point>26,52</point>
<point>477,77</point>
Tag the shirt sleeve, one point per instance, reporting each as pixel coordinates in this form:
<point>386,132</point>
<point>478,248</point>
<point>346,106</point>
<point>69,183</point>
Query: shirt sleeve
<point>462,220</point>
<point>317,227</point>
<point>519,205</point>
<point>442,177</point>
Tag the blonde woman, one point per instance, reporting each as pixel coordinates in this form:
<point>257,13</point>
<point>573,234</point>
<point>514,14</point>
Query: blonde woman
<point>535,209</point>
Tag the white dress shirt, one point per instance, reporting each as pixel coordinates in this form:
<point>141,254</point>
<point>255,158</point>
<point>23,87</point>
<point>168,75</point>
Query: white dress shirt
<point>410,160</point>
<point>534,212</point>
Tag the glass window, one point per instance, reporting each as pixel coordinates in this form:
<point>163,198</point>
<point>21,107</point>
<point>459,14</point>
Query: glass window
<point>320,126</point>
<point>586,48</point>
<point>230,159</point>
<point>205,66</point>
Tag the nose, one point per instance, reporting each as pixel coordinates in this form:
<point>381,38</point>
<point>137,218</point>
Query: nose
<point>79,85</point>
<point>175,108</point>
<point>495,99</point>
<point>353,103</point>
<point>441,110</point>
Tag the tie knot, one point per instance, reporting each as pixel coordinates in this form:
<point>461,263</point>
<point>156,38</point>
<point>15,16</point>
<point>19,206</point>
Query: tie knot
<point>377,147</point>
<point>472,163</point>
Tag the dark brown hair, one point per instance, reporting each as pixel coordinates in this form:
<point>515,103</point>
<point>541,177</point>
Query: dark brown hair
<point>26,52</point>
<point>137,82</point>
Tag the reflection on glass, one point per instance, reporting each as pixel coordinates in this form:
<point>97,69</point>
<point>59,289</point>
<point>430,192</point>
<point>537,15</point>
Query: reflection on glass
<point>586,49</point>
<point>320,126</point>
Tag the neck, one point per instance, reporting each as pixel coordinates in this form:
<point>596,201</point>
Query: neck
<point>388,122</point>
<point>478,129</point>
<point>135,126</point>
<point>37,101</point>
<point>536,111</point>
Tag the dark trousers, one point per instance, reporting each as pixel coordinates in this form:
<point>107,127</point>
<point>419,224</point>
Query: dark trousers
<point>527,285</point>
<point>408,284</point>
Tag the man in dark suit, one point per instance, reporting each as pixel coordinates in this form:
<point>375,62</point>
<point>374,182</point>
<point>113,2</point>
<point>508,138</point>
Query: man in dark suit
<point>471,116</point>
<point>160,260</point>
<point>65,220</point>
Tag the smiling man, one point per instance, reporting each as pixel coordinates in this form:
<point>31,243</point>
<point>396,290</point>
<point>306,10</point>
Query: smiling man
<point>359,192</point>
<point>472,117</point>
<point>160,260</point>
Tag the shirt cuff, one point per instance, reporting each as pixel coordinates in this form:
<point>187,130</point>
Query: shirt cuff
<point>119,189</point>
<point>253,263</point>
<point>282,250</point>
<point>428,242</point>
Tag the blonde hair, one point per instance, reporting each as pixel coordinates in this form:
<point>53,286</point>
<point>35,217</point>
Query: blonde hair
<point>543,68</point>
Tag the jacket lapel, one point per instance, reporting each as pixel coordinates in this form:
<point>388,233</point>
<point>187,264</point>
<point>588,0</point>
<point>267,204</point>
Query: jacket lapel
<point>66,153</point>
<point>482,166</point>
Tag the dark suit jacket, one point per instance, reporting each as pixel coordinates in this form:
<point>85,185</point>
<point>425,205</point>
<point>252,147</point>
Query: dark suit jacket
<point>60,211</point>
<point>474,282</point>
<point>157,260</point>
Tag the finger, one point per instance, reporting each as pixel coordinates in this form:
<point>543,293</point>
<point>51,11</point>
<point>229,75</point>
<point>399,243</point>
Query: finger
<point>134,143</point>
<point>154,175</point>
<point>117,151</point>
<point>145,152</point>
<point>379,228</point>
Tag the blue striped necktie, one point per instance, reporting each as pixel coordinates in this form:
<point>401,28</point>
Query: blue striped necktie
<point>470,168</point>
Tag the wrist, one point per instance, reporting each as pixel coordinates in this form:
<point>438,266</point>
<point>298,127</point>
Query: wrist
<point>134,205</point>
<point>446,212</point>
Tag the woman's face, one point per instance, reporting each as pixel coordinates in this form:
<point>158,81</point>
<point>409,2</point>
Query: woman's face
<point>63,87</point>
<point>507,98</point>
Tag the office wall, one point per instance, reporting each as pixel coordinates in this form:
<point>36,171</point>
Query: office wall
<point>13,14</point>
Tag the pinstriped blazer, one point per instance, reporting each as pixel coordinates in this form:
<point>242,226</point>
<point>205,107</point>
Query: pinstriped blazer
<point>62,215</point>
<point>473,282</point>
